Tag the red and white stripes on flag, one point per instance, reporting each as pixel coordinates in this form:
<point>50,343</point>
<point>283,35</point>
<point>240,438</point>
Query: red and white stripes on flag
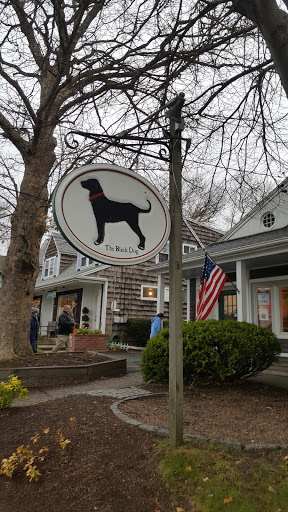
<point>212,282</point>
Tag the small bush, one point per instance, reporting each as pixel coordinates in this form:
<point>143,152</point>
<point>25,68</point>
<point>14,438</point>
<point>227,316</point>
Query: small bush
<point>213,351</point>
<point>138,331</point>
<point>84,330</point>
<point>10,390</point>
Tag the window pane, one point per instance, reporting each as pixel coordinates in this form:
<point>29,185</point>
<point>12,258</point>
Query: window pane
<point>163,257</point>
<point>51,266</point>
<point>69,299</point>
<point>284,308</point>
<point>264,307</point>
<point>150,293</point>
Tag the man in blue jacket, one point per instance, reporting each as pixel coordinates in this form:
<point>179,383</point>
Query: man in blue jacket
<point>64,331</point>
<point>156,324</point>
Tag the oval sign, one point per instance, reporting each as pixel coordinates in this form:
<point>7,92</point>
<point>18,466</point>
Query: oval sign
<point>111,214</point>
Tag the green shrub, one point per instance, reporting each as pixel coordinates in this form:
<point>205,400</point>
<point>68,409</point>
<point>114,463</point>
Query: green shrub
<point>138,331</point>
<point>84,330</point>
<point>213,351</point>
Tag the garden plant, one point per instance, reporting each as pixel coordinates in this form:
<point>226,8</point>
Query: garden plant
<point>213,351</point>
<point>10,390</point>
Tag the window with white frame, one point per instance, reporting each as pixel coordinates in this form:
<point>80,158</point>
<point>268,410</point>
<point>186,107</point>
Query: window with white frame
<point>163,254</point>
<point>84,261</point>
<point>148,292</point>
<point>49,267</point>
<point>166,295</point>
<point>188,248</point>
<point>268,220</point>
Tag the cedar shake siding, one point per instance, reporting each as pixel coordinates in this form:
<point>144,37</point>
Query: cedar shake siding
<point>66,260</point>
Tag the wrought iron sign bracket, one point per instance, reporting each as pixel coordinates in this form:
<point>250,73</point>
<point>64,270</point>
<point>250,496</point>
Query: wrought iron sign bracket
<point>132,143</point>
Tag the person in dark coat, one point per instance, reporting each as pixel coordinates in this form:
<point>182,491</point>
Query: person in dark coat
<point>34,329</point>
<point>65,329</point>
<point>156,324</point>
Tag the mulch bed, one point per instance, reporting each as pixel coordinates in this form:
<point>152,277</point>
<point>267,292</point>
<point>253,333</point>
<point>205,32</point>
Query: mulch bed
<point>109,466</point>
<point>247,412</point>
<point>56,359</point>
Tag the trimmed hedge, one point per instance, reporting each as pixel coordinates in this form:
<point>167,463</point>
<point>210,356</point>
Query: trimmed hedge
<point>213,351</point>
<point>138,331</point>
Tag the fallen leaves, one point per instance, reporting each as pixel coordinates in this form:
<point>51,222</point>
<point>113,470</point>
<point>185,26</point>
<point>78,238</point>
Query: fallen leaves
<point>270,489</point>
<point>228,500</point>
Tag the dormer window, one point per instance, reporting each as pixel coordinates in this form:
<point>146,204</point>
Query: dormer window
<point>49,267</point>
<point>188,248</point>
<point>84,261</point>
<point>268,220</point>
<point>164,254</point>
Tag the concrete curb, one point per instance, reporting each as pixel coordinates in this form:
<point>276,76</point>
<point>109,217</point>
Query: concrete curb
<point>165,432</point>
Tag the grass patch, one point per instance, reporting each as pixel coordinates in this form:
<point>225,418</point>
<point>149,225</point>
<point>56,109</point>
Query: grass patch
<point>216,479</point>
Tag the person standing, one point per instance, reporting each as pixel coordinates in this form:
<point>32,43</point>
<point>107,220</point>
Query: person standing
<point>34,329</point>
<point>64,331</point>
<point>156,324</point>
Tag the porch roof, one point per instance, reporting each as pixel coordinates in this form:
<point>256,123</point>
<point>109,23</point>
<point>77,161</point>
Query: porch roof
<point>261,250</point>
<point>71,276</point>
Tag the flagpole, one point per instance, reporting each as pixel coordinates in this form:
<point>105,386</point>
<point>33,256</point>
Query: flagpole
<point>228,278</point>
<point>205,250</point>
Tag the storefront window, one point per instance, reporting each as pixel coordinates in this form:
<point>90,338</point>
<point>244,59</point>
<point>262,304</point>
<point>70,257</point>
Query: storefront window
<point>284,308</point>
<point>69,299</point>
<point>264,307</point>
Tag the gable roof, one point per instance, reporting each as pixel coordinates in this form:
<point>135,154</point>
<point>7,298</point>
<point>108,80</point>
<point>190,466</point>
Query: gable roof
<point>226,252</point>
<point>276,202</point>
<point>61,244</point>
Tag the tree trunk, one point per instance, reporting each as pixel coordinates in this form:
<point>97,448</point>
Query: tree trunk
<point>21,266</point>
<point>273,24</point>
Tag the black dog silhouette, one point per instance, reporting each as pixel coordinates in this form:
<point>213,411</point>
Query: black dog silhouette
<point>106,210</point>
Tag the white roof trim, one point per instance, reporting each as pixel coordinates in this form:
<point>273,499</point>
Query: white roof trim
<point>250,214</point>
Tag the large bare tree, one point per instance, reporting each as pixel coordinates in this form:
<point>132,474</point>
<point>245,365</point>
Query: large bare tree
<point>67,64</point>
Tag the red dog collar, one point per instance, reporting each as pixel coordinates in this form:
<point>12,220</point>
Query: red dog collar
<point>96,195</point>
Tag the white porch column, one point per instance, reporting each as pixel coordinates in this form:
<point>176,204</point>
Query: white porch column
<point>243,287</point>
<point>188,284</point>
<point>104,307</point>
<point>160,293</point>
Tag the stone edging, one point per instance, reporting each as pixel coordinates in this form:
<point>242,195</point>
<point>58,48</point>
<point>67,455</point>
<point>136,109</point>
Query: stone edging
<point>164,432</point>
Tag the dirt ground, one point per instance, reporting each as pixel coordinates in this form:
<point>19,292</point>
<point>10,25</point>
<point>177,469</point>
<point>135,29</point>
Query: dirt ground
<point>110,466</point>
<point>249,413</point>
<point>56,359</point>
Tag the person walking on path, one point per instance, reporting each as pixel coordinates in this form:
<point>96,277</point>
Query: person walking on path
<point>65,329</point>
<point>156,324</point>
<point>34,329</point>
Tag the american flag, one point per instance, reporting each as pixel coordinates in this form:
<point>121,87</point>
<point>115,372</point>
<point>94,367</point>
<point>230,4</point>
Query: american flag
<point>212,282</point>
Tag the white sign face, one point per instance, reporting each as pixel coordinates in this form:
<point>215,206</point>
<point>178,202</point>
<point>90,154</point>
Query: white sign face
<point>111,214</point>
